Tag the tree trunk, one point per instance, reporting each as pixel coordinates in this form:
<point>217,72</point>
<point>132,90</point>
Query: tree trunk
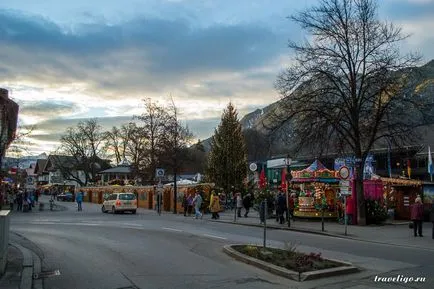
<point>361,210</point>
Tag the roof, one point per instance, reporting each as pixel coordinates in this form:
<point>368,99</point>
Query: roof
<point>316,166</point>
<point>31,171</point>
<point>40,166</point>
<point>117,170</point>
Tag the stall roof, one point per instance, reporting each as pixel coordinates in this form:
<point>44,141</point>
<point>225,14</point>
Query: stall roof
<point>401,182</point>
<point>117,170</point>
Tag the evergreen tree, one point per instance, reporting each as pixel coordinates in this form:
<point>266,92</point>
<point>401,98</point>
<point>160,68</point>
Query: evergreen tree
<point>227,163</point>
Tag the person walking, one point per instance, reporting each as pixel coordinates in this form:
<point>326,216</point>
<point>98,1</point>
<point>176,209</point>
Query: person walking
<point>417,216</point>
<point>185,204</point>
<point>350,209</point>
<point>79,200</point>
<point>190,204</point>
<point>239,202</point>
<point>19,200</point>
<point>247,202</point>
<point>197,201</point>
<point>214,206</point>
<point>281,207</point>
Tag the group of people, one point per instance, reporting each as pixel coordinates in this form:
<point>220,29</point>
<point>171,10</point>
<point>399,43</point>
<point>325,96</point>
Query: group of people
<point>195,202</point>
<point>24,200</point>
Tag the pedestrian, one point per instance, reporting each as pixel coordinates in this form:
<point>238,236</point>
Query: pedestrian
<point>197,201</point>
<point>247,202</point>
<point>190,204</point>
<point>276,207</point>
<point>417,216</point>
<point>37,193</point>
<point>214,206</point>
<point>281,207</point>
<point>239,202</point>
<point>349,209</point>
<point>19,199</point>
<point>432,219</point>
<point>79,200</point>
<point>185,204</point>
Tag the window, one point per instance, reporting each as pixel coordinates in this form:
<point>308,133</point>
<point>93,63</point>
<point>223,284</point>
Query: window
<point>127,197</point>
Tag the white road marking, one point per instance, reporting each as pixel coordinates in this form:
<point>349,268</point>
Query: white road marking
<point>213,236</point>
<point>131,224</point>
<point>44,223</point>
<point>171,229</point>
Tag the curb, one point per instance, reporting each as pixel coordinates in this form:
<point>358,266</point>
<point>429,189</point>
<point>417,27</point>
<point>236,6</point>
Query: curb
<point>348,268</point>
<point>305,231</point>
<point>27,272</point>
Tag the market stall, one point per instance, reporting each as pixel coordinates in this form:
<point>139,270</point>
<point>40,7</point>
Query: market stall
<point>316,189</point>
<point>400,194</point>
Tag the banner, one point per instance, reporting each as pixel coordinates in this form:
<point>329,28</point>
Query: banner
<point>369,168</point>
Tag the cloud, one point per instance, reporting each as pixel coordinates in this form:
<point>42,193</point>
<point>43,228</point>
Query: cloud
<point>47,109</point>
<point>143,55</point>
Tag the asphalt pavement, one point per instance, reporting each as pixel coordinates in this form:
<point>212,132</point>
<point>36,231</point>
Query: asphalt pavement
<point>95,250</point>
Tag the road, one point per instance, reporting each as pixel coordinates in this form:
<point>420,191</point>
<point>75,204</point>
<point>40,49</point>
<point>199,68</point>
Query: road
<point>95,250</point>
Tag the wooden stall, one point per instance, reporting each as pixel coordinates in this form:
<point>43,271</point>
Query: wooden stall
<point>146,195</point>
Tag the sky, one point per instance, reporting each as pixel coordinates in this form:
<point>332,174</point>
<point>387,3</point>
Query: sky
<point>66,61</point>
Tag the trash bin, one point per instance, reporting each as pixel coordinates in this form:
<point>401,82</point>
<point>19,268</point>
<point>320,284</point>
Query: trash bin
<point>41,206</point>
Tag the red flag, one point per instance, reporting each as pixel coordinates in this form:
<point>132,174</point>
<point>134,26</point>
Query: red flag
<point>283,182</point>
<point>262,180</point>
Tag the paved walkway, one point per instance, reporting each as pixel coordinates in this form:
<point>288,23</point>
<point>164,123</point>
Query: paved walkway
<point>397,234</point>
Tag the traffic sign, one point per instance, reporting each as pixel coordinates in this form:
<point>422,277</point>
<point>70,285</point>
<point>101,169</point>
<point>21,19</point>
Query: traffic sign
<point>159,173</point>
<point>253,167</point>
<point>344,172</point>
<point>344,183</point>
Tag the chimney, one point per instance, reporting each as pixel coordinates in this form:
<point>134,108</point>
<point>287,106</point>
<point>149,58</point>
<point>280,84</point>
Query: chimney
<point>4,93</point>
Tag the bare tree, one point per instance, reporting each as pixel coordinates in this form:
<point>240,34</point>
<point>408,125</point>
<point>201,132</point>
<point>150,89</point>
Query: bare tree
<point>152,122</point>
<point>84,146</point>
<point>348,87</point>
<point>21,141</point>
<point>176,139</point>
<point>137,152</point>
<point>117,140</point>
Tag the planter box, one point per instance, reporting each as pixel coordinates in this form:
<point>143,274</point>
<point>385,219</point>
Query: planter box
<point>346,268</point>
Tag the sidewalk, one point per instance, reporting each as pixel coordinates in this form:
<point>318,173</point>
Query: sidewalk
<point>399,234</point>
<point>22,266</point>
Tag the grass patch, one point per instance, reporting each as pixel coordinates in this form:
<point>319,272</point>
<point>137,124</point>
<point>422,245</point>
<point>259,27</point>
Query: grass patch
<point>289,258</point>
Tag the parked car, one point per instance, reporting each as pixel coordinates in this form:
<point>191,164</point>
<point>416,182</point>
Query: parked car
<point>65,197</point>
<point>120,202</point>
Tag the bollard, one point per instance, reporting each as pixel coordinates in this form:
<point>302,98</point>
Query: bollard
<point>265,224</point>
<point>4,239</point>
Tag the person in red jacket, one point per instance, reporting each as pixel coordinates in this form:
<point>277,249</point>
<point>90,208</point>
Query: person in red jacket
<point>350,210</point>
<point>417,216</point>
